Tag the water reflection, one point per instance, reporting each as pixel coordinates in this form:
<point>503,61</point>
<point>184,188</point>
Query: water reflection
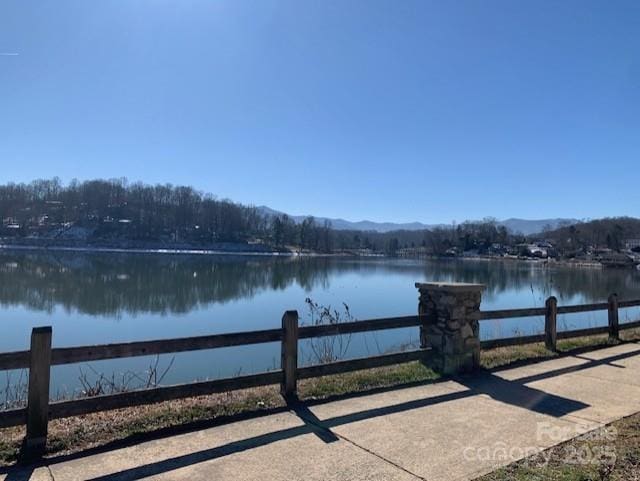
<point>138,297</point>
<point>113,284</point>
<point>108,284</point>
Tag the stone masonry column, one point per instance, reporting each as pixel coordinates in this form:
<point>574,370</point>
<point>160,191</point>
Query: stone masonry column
<point>451,325</point>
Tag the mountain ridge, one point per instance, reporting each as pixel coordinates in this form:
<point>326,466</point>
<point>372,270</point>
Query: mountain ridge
<point>513,224</point>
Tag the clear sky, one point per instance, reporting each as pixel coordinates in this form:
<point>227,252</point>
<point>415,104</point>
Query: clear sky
<point>381,110</point>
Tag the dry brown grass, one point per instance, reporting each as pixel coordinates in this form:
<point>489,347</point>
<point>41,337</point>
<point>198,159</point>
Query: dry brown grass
<point>611,453</point>
<point>84,432</point>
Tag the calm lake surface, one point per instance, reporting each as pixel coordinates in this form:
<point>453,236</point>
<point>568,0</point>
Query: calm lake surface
<point>94,298</point>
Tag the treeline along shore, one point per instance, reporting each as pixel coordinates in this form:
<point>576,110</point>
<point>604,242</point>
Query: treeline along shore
<point>117,214</point>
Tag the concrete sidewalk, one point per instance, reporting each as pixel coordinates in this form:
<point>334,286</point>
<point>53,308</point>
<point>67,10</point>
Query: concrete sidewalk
<point>451,430</point>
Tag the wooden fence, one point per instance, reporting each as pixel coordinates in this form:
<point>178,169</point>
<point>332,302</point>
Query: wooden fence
<point>42,356</point>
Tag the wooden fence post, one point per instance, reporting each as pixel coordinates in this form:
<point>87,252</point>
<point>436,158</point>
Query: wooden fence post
<point>289,360</point>
<point>38,397</point>
<point>614,329</point>
<point>550,323</point>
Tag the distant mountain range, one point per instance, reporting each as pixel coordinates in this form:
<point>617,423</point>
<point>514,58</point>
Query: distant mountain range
<point>524,226</point>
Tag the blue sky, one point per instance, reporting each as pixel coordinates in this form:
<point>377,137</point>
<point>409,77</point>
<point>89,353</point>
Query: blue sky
<point>384,110</point>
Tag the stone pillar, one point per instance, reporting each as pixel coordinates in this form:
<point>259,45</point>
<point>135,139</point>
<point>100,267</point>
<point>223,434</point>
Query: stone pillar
<point>451,325</point>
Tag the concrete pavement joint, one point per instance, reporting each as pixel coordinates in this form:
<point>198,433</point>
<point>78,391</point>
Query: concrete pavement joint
<point>320,426</point>
<point>584,418</point>
<point>479,413</point>
<point>382,458</point>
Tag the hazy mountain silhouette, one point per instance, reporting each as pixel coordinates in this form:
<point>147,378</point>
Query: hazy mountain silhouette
<point>525,226</point>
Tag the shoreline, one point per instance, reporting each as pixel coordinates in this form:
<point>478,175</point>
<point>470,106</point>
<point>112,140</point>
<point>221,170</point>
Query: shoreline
<point>543,262</point>
<point>164,250</point>
<point>139,250</point>
<point>88,249</point>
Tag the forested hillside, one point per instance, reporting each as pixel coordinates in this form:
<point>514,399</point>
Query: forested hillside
<point>612,233</point>
<point>116,209</point>
<point>103,211</point>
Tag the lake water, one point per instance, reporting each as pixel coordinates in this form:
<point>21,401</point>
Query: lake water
<point>102,298</point>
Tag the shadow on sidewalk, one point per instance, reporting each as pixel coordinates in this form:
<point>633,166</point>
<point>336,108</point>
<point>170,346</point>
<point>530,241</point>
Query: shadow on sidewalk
<point>515,393</point>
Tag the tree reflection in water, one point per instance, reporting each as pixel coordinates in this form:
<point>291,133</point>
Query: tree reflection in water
<point>109,284</point>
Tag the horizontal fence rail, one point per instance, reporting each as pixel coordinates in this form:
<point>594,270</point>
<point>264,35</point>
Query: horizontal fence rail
<point>629,303</point>
<point>306,332</point>
<point>14,360</point>
<point>72,355</point>
<point>41,357</point>
<point>349,365</point>
<point>541,311</point>
<point>76,407</point>
<point>600,306</point>
<point>511,313</point>
<point>520,340</point>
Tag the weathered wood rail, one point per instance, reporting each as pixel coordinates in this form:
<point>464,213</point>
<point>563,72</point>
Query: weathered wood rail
<point>42,356</point>
<point>551,311</point>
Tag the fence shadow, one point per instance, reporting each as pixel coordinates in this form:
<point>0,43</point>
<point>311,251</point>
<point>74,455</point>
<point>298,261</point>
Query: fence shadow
<point>512,392</point>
